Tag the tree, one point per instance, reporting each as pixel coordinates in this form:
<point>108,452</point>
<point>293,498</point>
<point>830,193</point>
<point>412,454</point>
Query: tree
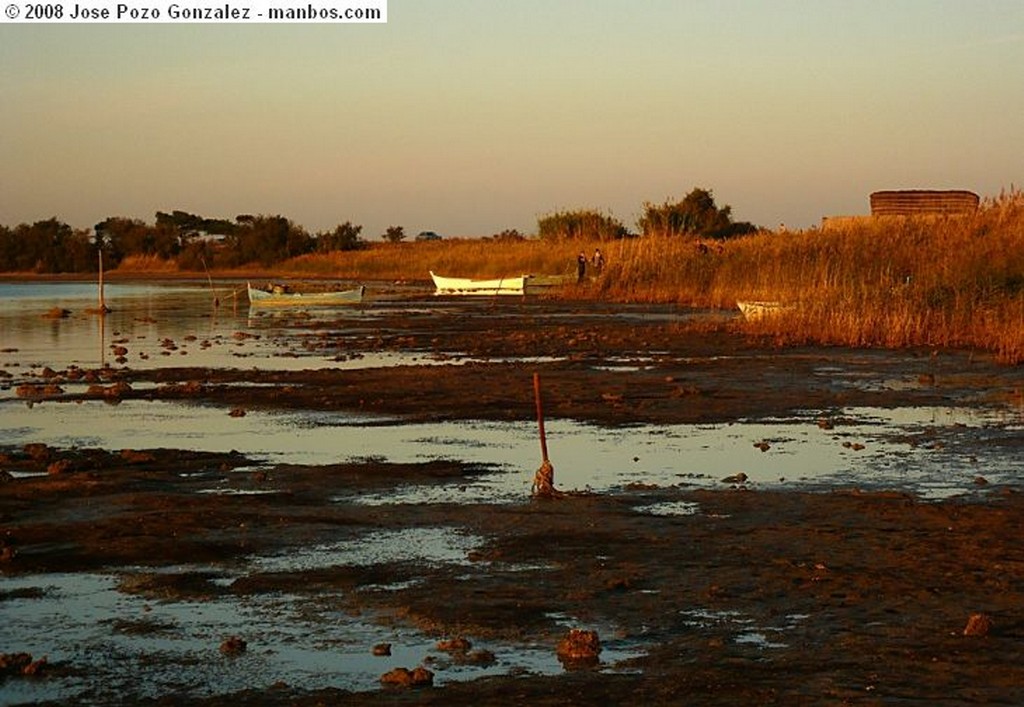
<point>696,215</point>
<point>394,234</point>
<point>344,237</point>
<point>508,235</point>
<point>582,223</point>
<point>118,237</point>
<point>265,240</point>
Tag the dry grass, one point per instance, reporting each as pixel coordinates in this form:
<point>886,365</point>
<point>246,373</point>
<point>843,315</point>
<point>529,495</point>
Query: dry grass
<point>459,258</point>
<point>893,282</point>
<point>146,264</point>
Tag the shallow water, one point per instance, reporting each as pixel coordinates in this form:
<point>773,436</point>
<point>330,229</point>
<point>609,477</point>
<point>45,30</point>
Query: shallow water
<point>86,620</point>
<point>934,452</point>
<point>133,648</point>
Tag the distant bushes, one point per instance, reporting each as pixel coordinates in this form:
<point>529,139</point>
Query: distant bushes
<point>695,215</point>
<point>583,224</point>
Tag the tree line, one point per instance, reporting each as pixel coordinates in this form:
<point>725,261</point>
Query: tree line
<point>196,243</point>
<point>192,241</point>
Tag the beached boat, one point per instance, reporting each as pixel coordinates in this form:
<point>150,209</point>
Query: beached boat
<point>468,286</point>
<point>279,297</point>
<point>760,308</point>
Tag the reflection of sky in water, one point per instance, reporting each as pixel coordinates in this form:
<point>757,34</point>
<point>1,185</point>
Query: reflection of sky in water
<point>307,640</point>
<point>934,451</point>
<point>144,317</point>
<point>130,647</point>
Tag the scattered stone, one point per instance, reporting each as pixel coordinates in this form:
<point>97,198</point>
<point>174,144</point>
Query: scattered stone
<point>480,657</point>
<point>454,645</point>
<point>382,649</point>
<point>739,478</point>
<point>978,625</point>
<point>37,451</point>
<point>20,664</point>
<point>134,457</point>
<point>233,646</point>
<point>980,481</point>
<point>237,412</point>
<point>825,424</point>
<point>403,677</point>
<point>579,647</point>
<point>61,466</point>
<point>763,446</point>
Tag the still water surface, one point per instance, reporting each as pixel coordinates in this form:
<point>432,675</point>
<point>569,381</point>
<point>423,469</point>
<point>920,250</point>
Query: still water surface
<point>305,641</point>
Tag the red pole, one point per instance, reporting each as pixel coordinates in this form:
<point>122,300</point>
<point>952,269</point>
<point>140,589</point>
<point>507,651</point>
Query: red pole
<point>540,417</point>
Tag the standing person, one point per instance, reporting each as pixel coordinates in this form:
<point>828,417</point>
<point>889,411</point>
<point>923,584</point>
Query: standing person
<point>581,267</point>
<point>598,261</point>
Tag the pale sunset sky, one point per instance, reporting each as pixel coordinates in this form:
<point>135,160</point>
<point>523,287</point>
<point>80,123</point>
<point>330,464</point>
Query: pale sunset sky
<point>469,117</point>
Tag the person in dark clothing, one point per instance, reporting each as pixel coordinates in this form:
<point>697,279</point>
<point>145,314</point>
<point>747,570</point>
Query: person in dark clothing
<point>581,267</point>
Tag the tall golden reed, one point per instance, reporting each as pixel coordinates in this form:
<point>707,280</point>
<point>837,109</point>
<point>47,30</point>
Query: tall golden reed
<point>953,281</point>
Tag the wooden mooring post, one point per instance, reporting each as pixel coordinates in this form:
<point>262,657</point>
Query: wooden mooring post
<point>544,479</point>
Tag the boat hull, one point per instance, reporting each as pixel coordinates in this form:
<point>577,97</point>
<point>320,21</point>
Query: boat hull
<point>759,309</point>
<point>468,286</point>
<point>262,298</point>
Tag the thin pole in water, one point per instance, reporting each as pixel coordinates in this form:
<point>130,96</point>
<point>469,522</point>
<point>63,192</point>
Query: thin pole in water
<point>540,417</point>
<point>544,479</point>
<point>216,299</point>
<point>102,302</point>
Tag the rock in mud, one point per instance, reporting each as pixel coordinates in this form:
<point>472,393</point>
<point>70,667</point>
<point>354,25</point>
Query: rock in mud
<point>233,646</point>
<point>403,677</point>
<point>579,648</point>
<point>978,625</point>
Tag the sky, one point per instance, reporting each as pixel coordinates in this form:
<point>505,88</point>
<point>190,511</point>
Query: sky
<point>470,117</point>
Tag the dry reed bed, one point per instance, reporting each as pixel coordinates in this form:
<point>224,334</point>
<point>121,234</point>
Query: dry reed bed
<point>952,281</point>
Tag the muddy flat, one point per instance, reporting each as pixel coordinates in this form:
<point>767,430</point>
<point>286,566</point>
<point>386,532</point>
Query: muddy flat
<point>723,591</point>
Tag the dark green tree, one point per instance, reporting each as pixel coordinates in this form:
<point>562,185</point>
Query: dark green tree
<point>394,234</point>
<point>582,223</point>
<point>345,236</point>
<point>695,215</point>
<point>265,240</point>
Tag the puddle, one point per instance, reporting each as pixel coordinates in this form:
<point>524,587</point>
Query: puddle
<point>935,452</point>
<point>109,646</point>
<point>746,633</point>
<point>433,545</point>
<point>670,508</point>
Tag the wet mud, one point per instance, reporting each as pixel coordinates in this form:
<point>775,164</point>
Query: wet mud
<point>751,596</point>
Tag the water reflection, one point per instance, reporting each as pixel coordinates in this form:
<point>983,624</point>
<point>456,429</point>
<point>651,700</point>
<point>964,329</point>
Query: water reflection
<point>934,452</point>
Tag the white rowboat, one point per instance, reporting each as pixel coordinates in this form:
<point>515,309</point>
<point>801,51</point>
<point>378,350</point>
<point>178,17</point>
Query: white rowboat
<point>759,309</point>
<point>468,286</point>
<point>262,298</point>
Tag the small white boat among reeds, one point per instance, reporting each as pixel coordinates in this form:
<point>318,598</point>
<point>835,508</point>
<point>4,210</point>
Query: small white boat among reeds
<point>280,297</point>
<point>515,285</point>
<point>758,309</point>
